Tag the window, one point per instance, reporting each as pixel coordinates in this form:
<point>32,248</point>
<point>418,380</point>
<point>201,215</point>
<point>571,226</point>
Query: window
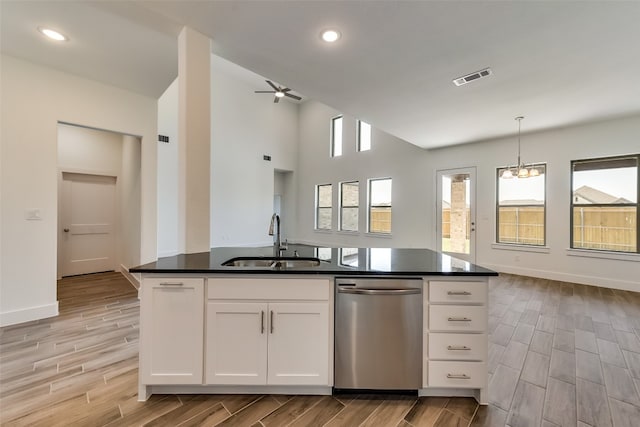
<point>323,207</point>
<point>349,206</point>
<point>364,136</point>
<point>336,136</point>
<point>604,204</point>
<point>380,205</point>
<point>520,210</point>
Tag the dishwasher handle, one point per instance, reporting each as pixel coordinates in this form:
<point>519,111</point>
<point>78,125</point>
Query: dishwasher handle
<point>366,291</point>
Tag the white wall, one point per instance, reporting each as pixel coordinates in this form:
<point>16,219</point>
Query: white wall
<point>34,100</point>
<point>245,126</point>
<point>412,196</point>
<point>168,172</point>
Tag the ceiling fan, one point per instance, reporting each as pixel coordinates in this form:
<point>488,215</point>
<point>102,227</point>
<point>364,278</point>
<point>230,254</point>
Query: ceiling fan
<point>279,92</point>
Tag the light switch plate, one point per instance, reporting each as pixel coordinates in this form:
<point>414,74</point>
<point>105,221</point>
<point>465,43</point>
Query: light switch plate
<point>33,215</point>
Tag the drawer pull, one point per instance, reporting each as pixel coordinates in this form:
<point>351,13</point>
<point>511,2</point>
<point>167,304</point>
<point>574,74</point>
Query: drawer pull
<point>458,376</point>
<point>459,319</point>
<point>458,293</point>
<point>171,284</point>
<point>458,347</point>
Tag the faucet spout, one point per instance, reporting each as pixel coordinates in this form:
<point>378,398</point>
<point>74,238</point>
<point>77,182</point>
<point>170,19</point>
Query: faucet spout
<point>275,223</point>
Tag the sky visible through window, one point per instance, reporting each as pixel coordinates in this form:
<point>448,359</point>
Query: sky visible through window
<point>619,182</point>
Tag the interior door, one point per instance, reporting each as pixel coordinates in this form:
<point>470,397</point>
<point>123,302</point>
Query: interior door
<point>87,223</point>
<point>456,213</point>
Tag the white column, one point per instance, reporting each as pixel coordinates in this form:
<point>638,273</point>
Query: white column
<point>194,139</point>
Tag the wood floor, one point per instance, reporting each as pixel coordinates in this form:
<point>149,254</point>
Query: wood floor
<point>560,354</point>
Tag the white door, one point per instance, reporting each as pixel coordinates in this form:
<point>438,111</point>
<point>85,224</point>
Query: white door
<point>455,213</point>
<point>171,341</point>
<point>236,343</point>
<point>87,224</point>
<point>298,344</point>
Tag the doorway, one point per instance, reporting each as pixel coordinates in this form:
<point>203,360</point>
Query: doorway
<point>88,223</point>
<point>455,213</point>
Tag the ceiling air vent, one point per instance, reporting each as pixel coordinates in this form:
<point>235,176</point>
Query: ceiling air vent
<point>471,77</point>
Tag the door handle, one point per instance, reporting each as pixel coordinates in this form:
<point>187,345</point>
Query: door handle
<point>380,291</point>
<point>66,230</point>
<point>271,321</point>
<point>459,376</point>
<point>262,322</point>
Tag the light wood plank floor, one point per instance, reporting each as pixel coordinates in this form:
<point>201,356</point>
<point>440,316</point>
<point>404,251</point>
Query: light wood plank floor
<point>561,354</point>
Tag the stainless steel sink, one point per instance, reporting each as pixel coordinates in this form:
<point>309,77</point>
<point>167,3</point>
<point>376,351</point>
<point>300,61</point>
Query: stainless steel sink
<point>272,263</point>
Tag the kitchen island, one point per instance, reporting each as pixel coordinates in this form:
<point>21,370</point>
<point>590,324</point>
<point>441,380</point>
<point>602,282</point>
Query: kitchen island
<point>261,320</point>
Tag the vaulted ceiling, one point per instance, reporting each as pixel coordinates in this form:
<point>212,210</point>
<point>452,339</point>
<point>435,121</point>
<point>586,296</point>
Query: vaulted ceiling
<point>557,63</point>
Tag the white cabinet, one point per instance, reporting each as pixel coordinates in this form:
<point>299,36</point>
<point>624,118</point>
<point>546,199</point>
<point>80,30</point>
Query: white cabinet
<point>236,343</point>
<point>171,331</point>
<point>298,344</point>
<point>281,339</point>
<point>455,341</point>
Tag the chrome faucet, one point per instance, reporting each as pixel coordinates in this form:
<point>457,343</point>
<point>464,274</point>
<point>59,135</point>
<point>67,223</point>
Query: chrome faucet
<point>275,222</point>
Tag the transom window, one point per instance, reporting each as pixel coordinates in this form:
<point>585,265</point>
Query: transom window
<point>364,136</point>
<point>336,136</point>
<point>380,205</point>
<point>604,204</point>
<point>520,210</point>
<point>323,207</point>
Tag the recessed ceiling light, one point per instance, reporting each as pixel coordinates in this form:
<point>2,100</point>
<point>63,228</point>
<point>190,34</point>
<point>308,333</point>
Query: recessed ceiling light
<point>53,34</point>
<point>330,36</point>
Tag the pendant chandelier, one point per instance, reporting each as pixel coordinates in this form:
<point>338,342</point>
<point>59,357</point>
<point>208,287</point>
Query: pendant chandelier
<point>520,170</point>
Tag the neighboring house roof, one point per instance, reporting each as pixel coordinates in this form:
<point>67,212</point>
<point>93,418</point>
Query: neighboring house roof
<point>586,194</point>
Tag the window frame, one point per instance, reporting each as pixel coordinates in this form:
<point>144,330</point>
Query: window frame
<point>499,171</point>
<point>370,206</point>
<point>359,136</point>
<point>342,206</point>
<point>333,136</point>
<point>318,207</point>
<point>572,205</point>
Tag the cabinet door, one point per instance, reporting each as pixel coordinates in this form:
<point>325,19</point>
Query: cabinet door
<point>298,344</point>
<point>236,343</point>
<point>171,334</point>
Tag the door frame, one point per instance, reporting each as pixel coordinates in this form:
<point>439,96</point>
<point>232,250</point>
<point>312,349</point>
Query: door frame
<point>471,171</point>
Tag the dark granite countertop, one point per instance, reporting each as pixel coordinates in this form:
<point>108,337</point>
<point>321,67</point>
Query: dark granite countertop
<point>333,261</point>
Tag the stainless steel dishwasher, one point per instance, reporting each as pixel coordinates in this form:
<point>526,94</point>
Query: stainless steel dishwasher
<point>378,334</point>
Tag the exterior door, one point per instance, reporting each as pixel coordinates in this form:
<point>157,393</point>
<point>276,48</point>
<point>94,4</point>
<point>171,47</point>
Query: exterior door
<point>87,223</point>
<point>455,213</point>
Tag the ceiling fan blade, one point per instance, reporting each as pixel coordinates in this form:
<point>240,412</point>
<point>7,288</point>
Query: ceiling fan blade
<point>292,96</point>
<point>265,91</point>
<point>285,90</point>
<point>272,85</point>
<point>276,100</point>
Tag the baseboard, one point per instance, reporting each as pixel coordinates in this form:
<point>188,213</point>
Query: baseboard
<point>132,278</point>
<point>603,282</point>
<point>28,314</point>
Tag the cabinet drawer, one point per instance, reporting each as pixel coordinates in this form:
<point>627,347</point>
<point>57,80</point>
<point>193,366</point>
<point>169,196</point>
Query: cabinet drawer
<point>458,346</point>
<point>458,292</point>
<point>458,374</point>
<point>269,289</point>
<point>453,318</point>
